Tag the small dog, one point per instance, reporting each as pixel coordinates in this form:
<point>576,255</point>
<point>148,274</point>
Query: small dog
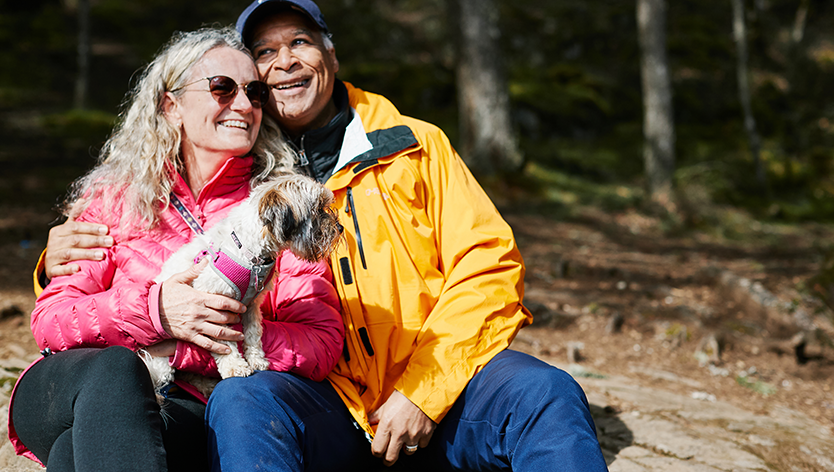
<point>290,211</point>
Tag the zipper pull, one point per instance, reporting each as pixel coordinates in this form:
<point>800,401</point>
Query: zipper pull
<point>303,154</point>
<point>358,234</point>
<point>349,200</point>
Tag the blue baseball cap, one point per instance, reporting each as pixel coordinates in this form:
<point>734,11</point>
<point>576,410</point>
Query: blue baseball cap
<point>259,9</point>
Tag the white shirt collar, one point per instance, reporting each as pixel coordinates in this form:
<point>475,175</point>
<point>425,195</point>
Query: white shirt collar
<point>355,141</point>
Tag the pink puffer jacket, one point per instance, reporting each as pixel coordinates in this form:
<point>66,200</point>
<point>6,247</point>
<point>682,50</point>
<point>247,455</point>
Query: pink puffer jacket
<point>114,302</point>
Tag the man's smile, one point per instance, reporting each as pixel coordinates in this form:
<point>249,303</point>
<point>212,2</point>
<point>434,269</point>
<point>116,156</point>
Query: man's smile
<point>288,86</point>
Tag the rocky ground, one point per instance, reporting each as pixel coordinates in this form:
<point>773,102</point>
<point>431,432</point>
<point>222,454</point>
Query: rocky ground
<point>685,345</point>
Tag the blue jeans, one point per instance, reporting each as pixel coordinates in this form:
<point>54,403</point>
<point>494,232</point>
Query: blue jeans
<point>517,413</point>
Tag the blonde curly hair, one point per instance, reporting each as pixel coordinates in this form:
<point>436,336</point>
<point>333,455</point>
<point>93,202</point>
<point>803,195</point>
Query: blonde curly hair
<point>134,166</point>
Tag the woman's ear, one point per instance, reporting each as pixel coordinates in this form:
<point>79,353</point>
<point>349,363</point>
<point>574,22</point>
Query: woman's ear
<point>171,109</point>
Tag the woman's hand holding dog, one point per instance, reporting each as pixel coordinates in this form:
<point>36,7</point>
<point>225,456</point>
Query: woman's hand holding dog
<point>197,317</point>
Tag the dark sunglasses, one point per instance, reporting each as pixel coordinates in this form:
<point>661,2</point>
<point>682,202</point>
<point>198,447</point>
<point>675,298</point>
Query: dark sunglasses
<point>224,90</point>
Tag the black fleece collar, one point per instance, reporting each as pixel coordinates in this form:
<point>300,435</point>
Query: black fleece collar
<point>319,148</point>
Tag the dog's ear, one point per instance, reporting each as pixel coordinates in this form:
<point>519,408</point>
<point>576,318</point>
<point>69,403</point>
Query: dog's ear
<point>277,216</point>
<point>289,225</point>
<point>320,232</point>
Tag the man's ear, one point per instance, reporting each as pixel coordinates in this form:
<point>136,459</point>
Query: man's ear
<point>171,109</point>
<point>333,59</point>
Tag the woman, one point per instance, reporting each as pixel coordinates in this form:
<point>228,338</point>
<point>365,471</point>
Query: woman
<point>191,130</point>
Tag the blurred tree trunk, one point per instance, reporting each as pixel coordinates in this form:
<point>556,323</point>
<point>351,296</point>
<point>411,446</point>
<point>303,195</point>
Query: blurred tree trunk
<point>799,22</point>
<point>795,79</point>
<point>83,76</point>
<point>658,119</point>
<point>488,144</point>
<point>740,37</point>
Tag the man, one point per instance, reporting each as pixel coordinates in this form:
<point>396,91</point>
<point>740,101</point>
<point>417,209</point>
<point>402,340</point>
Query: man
<point>430,281</point>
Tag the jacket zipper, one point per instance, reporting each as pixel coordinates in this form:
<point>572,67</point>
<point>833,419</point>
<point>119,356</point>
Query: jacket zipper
<point>303,162</point>
<point>351,210</point>
<point>345,264</point>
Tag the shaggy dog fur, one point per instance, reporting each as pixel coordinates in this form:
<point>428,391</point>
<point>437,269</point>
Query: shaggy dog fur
<point>288,212</point>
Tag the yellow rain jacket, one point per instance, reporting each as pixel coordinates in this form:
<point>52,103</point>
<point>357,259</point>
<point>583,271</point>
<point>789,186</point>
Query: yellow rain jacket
<point>429,274</point>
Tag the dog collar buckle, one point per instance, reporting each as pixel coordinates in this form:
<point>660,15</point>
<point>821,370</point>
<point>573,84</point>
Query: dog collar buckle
<point>246,280</point>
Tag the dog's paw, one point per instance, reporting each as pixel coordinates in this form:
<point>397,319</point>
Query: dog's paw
<point>233,367</point>
<point>242,371</point>
<point>237,371</point>
<point>259,363</point>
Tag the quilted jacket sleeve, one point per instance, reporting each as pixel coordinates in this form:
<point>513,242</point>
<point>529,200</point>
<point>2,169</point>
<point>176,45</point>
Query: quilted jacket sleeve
<point>82,310</point>
<point>303,330</point>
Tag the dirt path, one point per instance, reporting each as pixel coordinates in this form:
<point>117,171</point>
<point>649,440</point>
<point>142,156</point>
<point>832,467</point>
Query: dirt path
<point>626,311</point>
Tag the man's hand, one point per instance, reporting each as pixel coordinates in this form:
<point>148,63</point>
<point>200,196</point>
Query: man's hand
<point>400,423</point>
<point>197,317</point>
<point>71,241</point>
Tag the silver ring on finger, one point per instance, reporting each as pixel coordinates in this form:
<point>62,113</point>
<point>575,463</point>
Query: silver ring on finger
<point>411,449</point>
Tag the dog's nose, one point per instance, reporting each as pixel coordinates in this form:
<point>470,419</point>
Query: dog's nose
<point>340,228</point>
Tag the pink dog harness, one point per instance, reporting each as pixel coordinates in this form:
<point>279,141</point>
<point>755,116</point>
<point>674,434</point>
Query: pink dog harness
<point>246,278</point>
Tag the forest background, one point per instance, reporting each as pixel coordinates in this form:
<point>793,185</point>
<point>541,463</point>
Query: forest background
<point>570,69</point>
<point>572,72</point>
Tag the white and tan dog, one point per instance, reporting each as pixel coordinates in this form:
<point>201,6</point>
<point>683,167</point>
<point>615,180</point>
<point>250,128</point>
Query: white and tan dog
<point>290,211</point>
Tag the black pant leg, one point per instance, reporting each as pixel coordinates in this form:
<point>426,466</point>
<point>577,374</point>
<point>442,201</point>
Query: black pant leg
<point>184,433</point>
<point>105,397</point>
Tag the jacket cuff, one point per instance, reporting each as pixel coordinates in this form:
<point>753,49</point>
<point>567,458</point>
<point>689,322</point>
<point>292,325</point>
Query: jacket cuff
<point>39,276</point>
<point>153,310</point>
<point>176,360</point>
